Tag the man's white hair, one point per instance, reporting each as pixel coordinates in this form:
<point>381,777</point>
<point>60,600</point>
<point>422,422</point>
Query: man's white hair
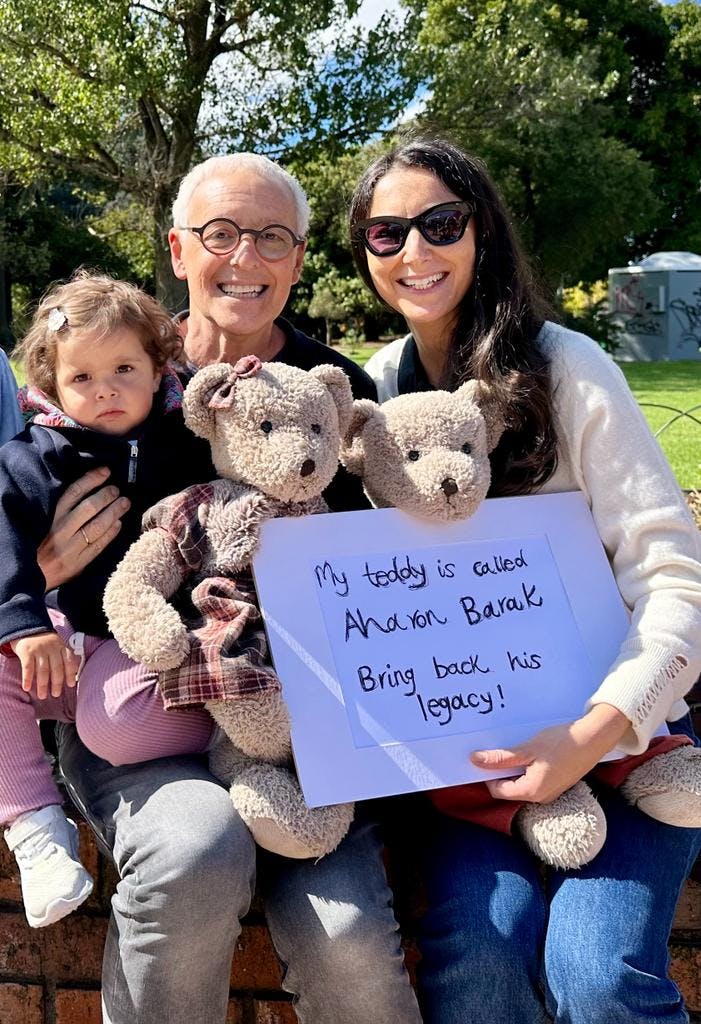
<point>231,165</point>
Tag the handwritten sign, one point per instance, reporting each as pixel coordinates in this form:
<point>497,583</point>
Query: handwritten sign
<point>403,645</point>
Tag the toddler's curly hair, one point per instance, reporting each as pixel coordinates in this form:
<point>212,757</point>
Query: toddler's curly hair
<point>98,304</point>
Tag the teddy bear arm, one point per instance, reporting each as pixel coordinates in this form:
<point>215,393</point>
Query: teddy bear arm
<point>233,527</point>
<point>258,726</point>
<point>146,627</point>
<point>269,800</point>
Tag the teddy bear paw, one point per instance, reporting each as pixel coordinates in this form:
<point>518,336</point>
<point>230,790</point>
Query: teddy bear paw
<point>271,804</point>
<point>566,833</point>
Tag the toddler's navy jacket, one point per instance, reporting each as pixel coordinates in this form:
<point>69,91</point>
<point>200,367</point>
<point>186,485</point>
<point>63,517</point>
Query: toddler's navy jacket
<point>35,469</point>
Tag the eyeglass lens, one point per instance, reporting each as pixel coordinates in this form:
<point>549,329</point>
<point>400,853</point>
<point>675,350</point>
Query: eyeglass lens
<point>438,226</point>
<point>273,242</point>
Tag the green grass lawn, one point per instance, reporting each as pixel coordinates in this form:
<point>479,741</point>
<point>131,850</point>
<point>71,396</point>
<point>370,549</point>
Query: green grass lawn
<point>677,385</point>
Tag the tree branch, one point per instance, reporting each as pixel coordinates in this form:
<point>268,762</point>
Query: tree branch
<point>27,46</point>
<point>159,14</point>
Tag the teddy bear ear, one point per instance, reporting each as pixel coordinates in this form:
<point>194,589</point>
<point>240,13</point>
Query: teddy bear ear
<point>199,416</point>
<point>352,448</point>
<point>338,384</point>
<point>483,397</point>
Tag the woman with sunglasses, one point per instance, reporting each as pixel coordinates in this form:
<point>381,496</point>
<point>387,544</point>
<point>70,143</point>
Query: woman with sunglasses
<point>432,239</point>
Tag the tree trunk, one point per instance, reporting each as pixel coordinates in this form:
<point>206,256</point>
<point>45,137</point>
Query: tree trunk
<point>6,337</point>
<point>329,336</point>
<point>171,292</point>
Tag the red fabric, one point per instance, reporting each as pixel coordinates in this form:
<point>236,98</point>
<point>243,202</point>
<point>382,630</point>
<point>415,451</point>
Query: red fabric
<point>476,804</point>
<point>615,773</point>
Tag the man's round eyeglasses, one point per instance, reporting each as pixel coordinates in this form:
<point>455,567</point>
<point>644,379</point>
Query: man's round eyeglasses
<point>221,236</point>
<point>442,224</point>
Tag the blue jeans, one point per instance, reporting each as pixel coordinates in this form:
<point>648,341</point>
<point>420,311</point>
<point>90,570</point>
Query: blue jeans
<point>187,867</point>
<point>503,942</point>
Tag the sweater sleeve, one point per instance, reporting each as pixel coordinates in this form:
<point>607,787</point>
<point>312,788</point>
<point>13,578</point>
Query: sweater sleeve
<point>651,540</point>
<point>29,490</point>
<point>11,421</point>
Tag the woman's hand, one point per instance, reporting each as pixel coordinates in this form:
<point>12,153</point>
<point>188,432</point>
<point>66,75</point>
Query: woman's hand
<point>83,526</point>
<point>46,662</point>
<point>555,758</point>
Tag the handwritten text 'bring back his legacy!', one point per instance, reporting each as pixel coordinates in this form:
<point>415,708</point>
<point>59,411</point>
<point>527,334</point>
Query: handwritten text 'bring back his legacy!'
<point>443,639</point>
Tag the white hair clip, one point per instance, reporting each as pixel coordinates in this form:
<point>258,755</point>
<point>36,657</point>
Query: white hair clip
<point>56,319</point>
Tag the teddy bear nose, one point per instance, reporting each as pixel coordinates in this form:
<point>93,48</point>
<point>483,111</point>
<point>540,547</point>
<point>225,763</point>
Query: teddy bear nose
<point>308,467</point>
<point>449,487</point>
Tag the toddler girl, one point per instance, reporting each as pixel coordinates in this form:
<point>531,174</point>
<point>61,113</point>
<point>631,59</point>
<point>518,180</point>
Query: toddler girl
<point>96,359</point>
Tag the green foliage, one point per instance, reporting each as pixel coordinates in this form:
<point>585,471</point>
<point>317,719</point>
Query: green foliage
<point>341,299</point>
<point>654,52</point>
<point>44,237</point>
<point>561,101</point>
<point>124,225</point>
<point>329,288</point>
<point>130,93</point>
<point>586,310</point>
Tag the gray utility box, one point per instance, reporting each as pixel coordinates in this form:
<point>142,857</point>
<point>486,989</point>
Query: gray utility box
<point>657,303</point>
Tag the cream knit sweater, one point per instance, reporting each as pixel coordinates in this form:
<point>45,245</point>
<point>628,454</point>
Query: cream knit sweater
<point>605,450</point>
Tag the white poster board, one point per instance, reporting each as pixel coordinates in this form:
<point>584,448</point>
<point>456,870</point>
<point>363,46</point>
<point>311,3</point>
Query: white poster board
<point>403,645</point>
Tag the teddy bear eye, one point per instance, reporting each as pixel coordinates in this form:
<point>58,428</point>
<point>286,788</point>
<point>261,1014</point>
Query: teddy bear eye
<point>414,455</point>
<point>467,447</point>
<point>266,426</point>
<point>316,429</point>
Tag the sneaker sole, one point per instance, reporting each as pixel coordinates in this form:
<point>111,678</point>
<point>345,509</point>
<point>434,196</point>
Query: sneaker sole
<point>61,907</point>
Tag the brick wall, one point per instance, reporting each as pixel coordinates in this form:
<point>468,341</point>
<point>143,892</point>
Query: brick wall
<point>52,975</point>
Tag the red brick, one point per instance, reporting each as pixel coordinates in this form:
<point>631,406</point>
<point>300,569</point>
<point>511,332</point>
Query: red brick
<point>9,876</point>
<point>685,969</point>
<point>90,856</point>
<point>269,1012</point>
<point>21,1004</point>
<point>108,883</point>
<point>20,945</point>
<point>74,1006</point>
<point>234,1013</point>
<point>688,915</point>
<point>72,950</point>
<point>255,962</point>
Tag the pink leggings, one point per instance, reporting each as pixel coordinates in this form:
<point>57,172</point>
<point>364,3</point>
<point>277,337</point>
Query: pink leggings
<point>118,712</point>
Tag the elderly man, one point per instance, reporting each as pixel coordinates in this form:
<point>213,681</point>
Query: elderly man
<point>186,861</point>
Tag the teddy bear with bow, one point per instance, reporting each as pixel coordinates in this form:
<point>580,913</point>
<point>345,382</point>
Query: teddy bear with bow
<point>182,602</point>
<point>428,455</point>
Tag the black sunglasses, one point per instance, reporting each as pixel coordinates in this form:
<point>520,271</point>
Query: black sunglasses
<point>443,224</point>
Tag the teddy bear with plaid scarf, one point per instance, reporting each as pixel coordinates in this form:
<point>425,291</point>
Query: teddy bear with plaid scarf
<point>182,601</point>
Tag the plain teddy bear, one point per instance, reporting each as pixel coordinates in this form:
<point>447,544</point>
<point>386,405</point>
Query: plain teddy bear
<point>428,454</point>
<point>275,432</point>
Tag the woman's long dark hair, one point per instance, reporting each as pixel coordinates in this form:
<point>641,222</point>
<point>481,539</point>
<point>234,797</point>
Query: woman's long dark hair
<point>494,337</point>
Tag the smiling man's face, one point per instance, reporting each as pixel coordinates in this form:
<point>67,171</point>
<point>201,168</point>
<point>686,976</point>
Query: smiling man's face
<point>239,295</point>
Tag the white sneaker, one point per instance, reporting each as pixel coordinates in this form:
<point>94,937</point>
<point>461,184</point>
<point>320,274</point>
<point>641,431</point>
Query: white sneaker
<point>54,882</point>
